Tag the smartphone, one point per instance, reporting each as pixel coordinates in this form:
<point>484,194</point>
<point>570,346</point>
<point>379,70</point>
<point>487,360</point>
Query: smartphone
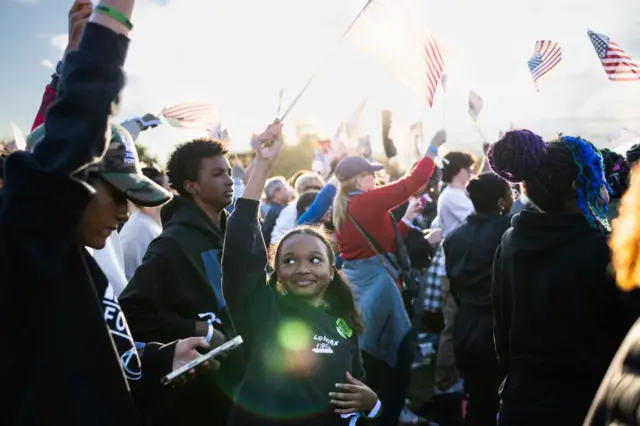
<point>225,347</point>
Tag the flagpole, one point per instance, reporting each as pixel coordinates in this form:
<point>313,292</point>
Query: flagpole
<point>324,61</point>
<point>280,95</point>
<point>444,109</point>
<point>443,81</point>
<point>484,139</point>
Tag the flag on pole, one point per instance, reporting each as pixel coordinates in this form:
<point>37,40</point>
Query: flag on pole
<point>280,96</point>
<point>434,66</point>
<point>475,105</point>
<point>364,147</point>
<point>352,125</point>
<point>321,164</point>
<point>19,140</point>
<point>391,32</point>
<point>546,56</point>
<point>192,115</point>
<point>220,134</point>
<point>617,64</point>
<point>339,142</point>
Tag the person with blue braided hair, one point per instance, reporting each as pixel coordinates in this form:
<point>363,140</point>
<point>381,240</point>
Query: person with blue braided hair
<point>558,315</point>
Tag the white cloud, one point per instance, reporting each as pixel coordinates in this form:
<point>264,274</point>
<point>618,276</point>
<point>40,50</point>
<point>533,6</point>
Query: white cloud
<point>47,64</point>
<point>238,54</point>
<point>59,41</point>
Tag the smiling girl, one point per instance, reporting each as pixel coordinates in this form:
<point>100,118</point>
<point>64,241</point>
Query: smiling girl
<point>300,326</point>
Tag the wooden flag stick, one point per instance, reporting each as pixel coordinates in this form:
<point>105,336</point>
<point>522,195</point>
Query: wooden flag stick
<point>324,61</point>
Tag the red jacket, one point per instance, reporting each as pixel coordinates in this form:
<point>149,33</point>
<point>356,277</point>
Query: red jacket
<point>371,210</point>
<point>47,99</point>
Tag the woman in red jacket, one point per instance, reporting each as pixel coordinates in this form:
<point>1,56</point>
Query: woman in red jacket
<point>362,220</point>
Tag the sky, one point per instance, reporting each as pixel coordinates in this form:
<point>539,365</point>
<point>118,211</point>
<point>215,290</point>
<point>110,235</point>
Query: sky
<point>239,54</point>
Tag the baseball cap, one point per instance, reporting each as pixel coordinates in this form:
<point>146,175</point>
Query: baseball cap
<point>350,167</point>
<point>120,167</point>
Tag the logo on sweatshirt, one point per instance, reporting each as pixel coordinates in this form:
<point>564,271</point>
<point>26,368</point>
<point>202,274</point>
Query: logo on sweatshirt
<point>119,330</point>
<point>324,345</point>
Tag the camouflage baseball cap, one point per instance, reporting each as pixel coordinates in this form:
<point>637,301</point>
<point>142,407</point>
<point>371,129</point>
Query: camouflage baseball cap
<point>121,168</point>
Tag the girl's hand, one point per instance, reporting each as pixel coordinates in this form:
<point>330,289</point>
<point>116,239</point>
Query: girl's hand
<point>355,398</point>
<point>269,143</point>
<point>78,17</point>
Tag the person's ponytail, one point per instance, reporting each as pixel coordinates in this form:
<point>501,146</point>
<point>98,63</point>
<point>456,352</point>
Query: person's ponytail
<point>341,202</point>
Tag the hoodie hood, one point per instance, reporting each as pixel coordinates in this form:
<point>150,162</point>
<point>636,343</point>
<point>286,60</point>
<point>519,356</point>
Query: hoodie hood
<point>534,231</point>
<point>183,212</point>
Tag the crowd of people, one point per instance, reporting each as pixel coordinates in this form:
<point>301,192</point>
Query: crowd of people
<point>506,291</point>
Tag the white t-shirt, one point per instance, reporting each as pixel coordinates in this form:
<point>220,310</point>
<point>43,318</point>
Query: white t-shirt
<point>135,237</point>
<point>454,206</point>
<point>111,261</point>
<point>285,222</point>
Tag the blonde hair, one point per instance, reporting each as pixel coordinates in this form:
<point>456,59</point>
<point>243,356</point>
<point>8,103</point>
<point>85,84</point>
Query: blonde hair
<point>341,202</point>
<point>308,181</point>
<point>625,238</point>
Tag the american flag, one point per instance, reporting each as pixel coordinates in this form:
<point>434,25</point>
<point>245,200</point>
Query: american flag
<point>546,55</point>
<point>393,32</point>
<point>192,115</point>
<point>616,63</point>
<point>434,66</point>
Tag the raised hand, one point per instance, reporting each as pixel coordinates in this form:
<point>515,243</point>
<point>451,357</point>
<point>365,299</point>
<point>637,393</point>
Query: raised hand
<point>439,139</point>
<point>269,143</point>
<point>414,208</point>
<point>78,17</point>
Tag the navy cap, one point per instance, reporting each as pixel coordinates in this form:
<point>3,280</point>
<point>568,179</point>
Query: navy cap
<point>350,167</point>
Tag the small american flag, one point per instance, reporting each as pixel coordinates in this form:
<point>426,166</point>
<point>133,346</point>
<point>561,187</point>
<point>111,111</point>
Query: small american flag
<point>616,63</point>
<point>434,65</point>
<point>393,32</point>
<point>192,115</point>
<point>547,54</point>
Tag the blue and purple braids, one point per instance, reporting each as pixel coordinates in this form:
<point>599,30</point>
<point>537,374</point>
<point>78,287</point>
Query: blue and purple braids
<point>590,181</point>
<point>549,170</point>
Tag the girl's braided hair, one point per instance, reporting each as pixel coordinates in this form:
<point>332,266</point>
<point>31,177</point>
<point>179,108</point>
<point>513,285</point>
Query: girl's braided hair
<point>553,173</point>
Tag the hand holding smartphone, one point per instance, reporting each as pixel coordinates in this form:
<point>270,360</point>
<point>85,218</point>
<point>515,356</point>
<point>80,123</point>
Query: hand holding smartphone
<point>178,373</point>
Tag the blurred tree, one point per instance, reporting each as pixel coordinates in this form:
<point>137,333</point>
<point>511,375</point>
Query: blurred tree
<point>291,159</point>
<point>296,157</point>
<point>145,157</point>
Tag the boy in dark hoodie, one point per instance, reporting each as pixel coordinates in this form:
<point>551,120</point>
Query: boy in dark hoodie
<point>177,291</point>
<point>558,315</point>
<point>71,349</point>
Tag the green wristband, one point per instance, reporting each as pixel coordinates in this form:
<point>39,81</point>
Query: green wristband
<point>115,14</point>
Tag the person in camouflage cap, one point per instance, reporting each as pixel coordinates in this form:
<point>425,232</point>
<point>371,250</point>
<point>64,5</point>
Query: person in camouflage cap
<point>120,167</point>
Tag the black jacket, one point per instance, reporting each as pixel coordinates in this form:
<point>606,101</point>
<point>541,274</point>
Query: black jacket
<point>178,284</point>
<point>469,251</point>
<point>559,317</point>
<point>616,400</point>
<point>270,221</point>
<point>296,353</point>
<point>62,329</point>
